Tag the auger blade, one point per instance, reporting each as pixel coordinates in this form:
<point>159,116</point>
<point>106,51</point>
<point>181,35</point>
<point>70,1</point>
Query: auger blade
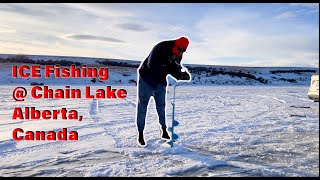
<point>174,137</point>
<point>175,123</point>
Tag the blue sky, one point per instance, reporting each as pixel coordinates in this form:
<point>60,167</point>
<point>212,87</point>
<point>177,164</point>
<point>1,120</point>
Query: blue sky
<point>246,34</point>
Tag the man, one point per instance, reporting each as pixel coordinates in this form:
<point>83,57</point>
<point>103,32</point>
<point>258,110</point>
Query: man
<point>165,58</point>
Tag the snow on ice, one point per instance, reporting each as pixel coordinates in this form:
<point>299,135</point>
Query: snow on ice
<point>223,131</point>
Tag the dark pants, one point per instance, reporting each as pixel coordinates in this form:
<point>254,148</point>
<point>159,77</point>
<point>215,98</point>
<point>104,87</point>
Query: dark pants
<point>145,91</point>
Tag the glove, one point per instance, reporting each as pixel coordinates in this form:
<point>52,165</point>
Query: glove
<point>174,58</point>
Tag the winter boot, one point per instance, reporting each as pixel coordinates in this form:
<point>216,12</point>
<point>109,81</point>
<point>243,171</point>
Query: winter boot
<point>164,134</point>
<point>140,139</point>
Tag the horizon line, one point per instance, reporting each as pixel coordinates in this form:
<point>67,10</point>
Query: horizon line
<point>71,56</point>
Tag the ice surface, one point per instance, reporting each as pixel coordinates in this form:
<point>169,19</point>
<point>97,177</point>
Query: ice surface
<point>223,131</point>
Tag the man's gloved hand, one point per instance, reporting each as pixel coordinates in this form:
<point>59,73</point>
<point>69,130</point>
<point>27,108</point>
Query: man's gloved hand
<point>174,58</point>
<point>185,76</point>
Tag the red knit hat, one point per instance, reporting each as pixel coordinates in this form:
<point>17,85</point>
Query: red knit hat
<point>180,46</point>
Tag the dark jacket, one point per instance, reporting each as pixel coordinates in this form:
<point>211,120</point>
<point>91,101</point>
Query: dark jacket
<point>155,68</point>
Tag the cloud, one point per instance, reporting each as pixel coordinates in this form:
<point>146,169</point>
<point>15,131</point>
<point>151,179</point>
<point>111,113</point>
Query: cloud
<point>308,5</point>
<point>102,10</point>
<point>31,10</point>
<point>254,36</point>
<point>311,7</point>
<point>6,29</point>
<point>286,15</point>
<point>219,33</point>
<point>80,37</point>
<point>132,26</point>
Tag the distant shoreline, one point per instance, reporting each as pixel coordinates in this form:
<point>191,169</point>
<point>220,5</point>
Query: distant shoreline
<point>33,56</point>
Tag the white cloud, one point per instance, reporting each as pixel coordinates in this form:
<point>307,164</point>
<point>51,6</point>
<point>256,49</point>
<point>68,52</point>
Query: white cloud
<point>7,29</point>
<point>102,10</point>
<point>238,34</point>
<point>286,15</point>
<point>308,5</point>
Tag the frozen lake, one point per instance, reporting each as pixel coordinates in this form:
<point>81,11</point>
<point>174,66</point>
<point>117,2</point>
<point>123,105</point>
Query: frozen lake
<point>223,131</point>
